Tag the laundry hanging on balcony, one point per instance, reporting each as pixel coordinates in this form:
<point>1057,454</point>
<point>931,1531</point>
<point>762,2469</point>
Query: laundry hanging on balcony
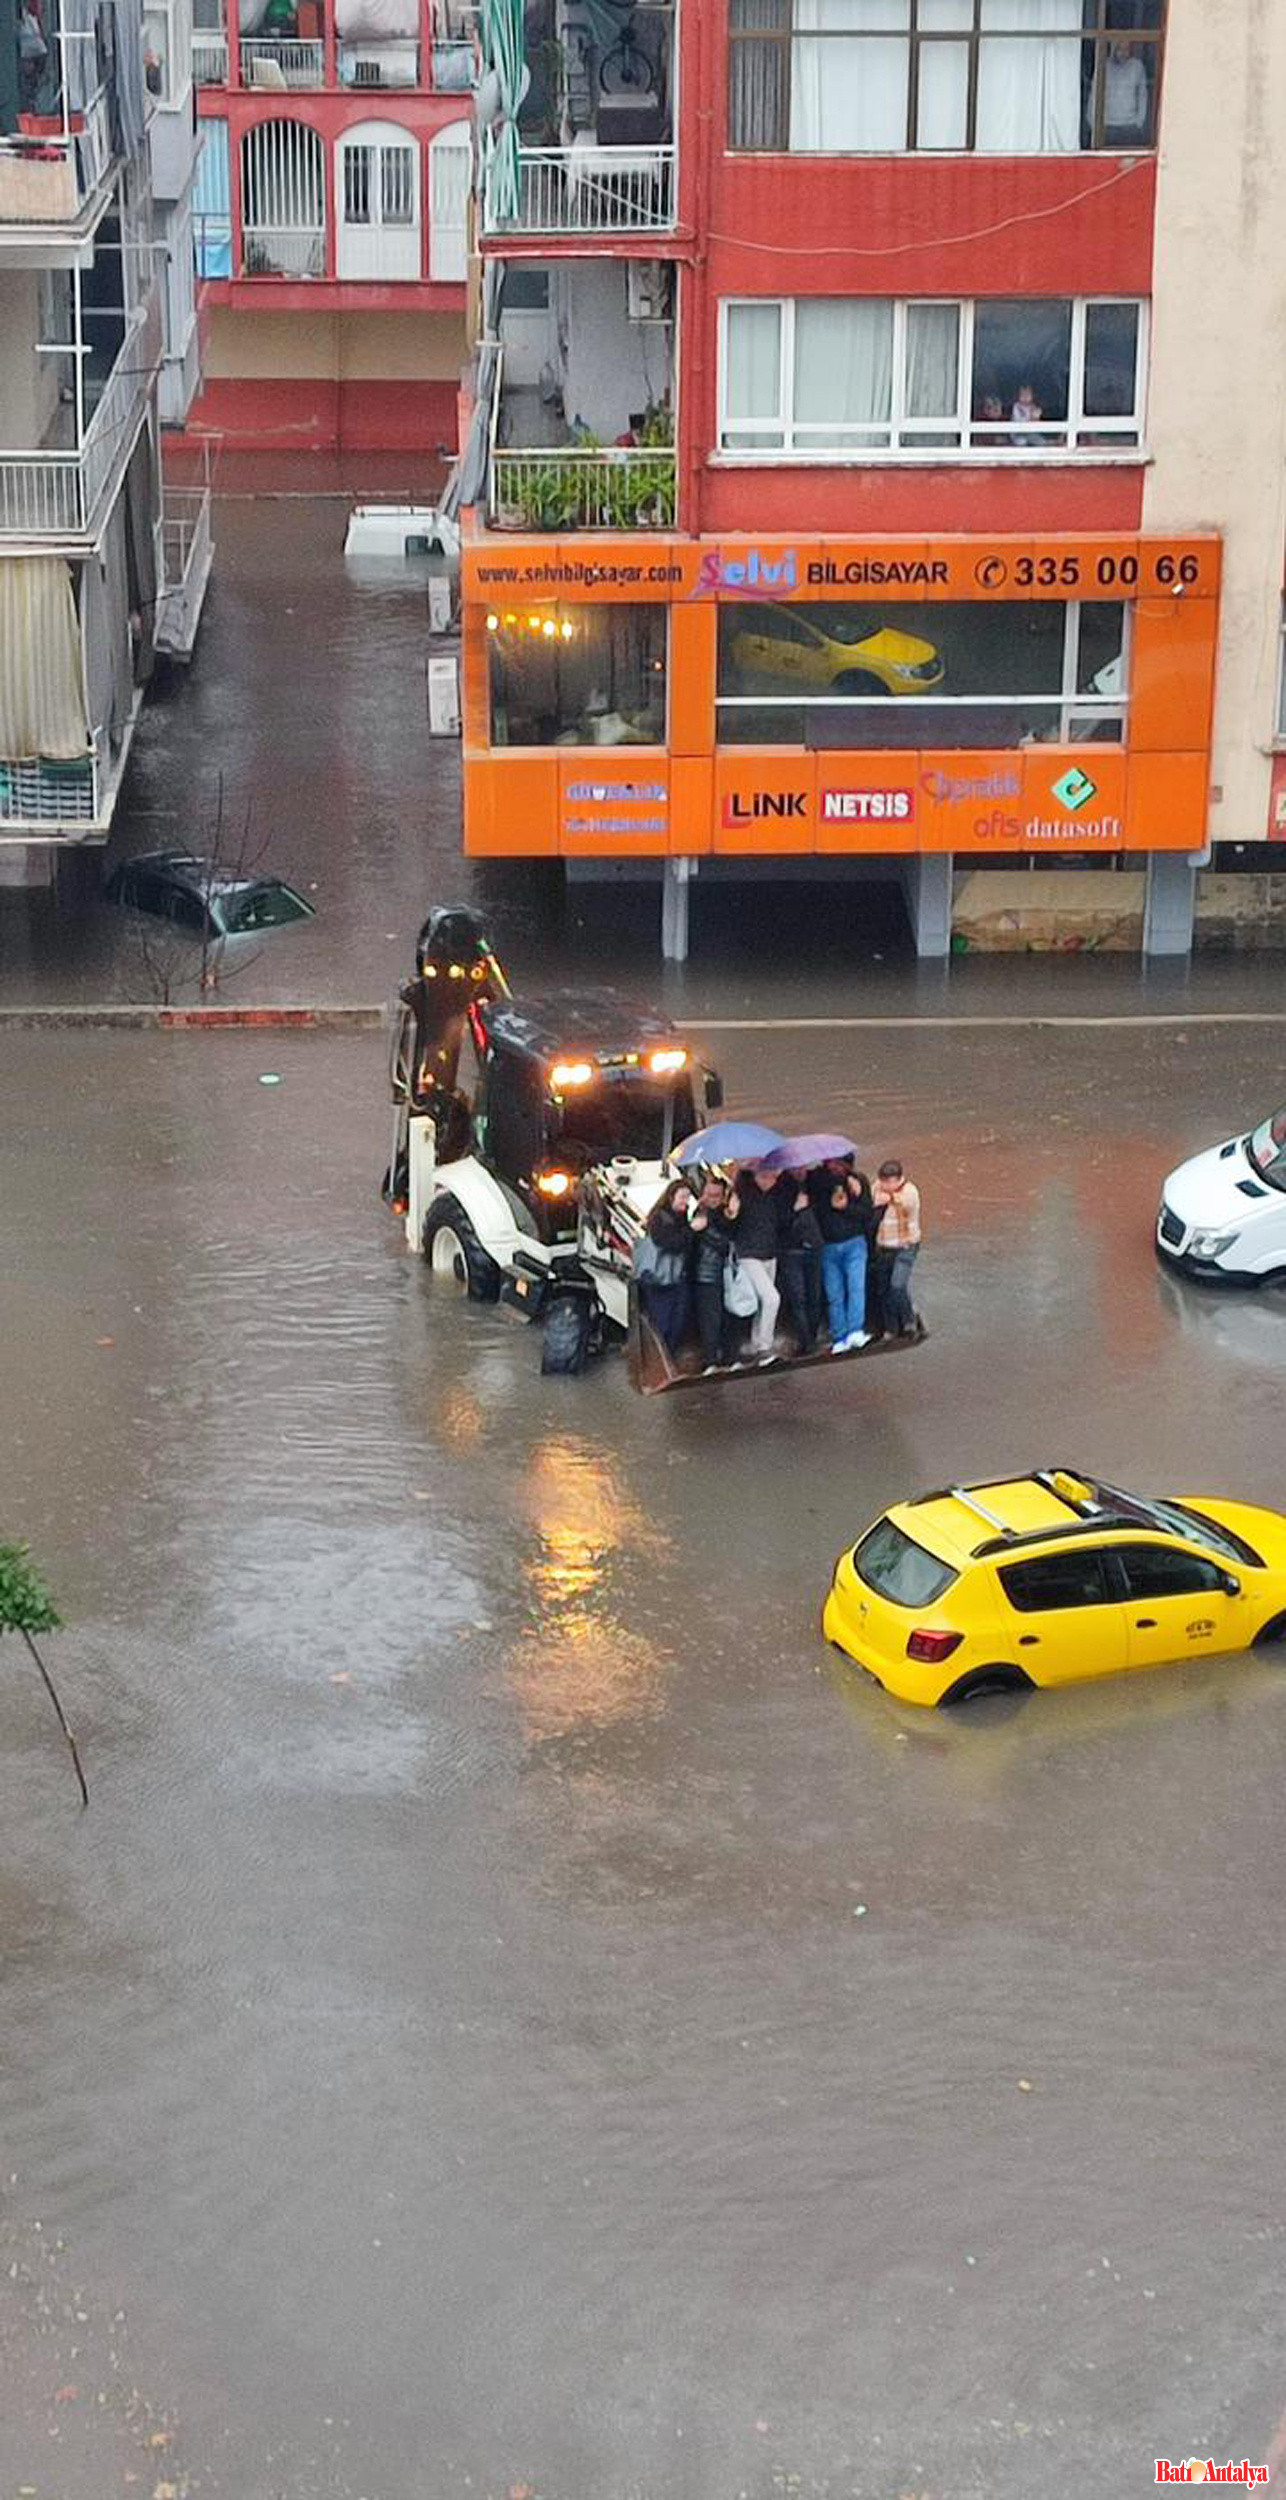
<point>42,703</point>
<point>497,97</point>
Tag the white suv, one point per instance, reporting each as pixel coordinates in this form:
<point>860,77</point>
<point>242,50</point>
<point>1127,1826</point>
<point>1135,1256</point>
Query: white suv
<point>1223,1213</point>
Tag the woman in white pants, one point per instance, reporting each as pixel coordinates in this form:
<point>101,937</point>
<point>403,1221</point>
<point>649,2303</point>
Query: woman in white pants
<point>755,1208</point>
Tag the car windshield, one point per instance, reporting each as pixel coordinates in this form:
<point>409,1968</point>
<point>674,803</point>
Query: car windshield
<point>625,1115</point>
<point>1177,1519</point>
<point>262,907</point>
<point>896,1567</point>
<point>1266,1146</point>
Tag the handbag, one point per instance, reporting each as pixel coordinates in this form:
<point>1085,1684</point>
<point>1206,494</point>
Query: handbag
<point>654,1266</point>
<point>739,1295</point>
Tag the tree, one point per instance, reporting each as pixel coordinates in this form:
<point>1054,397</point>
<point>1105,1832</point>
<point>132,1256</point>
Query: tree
<point>27,1607</point>
<point>168,956</point>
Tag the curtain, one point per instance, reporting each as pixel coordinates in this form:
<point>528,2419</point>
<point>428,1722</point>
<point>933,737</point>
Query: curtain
<point>942,111</point>
<point>759,75</point>
<point>932,364</point>
<point>42,702</point>
<point>1029,92</point>
<point>849,97</point>
<point>754,366</point>
<point>843,368</point>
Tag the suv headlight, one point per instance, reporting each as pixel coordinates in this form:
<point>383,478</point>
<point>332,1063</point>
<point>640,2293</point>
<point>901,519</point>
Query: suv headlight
<point>1211,1245</point>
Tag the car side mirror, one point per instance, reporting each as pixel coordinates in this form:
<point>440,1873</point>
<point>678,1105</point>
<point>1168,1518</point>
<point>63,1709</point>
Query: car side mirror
<point>713,1090</point>
<point>1231,1584</point>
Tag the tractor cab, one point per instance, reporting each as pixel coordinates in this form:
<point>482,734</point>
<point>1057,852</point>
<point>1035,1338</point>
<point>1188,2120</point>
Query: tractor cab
<point>570,1084</point>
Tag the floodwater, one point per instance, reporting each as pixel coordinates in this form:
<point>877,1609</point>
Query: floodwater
<point>518,2016</point>
<point>298,742</point>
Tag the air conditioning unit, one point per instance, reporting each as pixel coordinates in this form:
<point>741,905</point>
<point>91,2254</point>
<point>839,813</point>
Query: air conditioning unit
<point>646,290</point>
<point>444,699</point>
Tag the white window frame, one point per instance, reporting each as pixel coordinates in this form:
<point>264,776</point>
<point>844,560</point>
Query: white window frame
<point>1062,447</point>
<point>1073,708</point>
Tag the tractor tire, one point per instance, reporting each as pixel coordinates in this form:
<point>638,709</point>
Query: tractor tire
<point>453,1252</point>
<point>566,1335</point>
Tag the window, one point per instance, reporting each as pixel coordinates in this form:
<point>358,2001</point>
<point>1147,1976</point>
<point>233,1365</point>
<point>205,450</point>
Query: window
<point>970,673</point>
<point>577,676</point>
<point>896,1567</point>
<point>1158,1571</point>
<point>1004,77</point>
<point>380,178</point>
<point>864,376</point>
<point>525,289</point>
<point>1056,1581</point>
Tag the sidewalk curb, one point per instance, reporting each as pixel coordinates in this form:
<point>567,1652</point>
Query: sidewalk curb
<point>196,1019</point>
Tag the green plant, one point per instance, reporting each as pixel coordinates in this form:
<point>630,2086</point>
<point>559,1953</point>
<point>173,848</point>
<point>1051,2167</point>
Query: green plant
<point>26,1607</point>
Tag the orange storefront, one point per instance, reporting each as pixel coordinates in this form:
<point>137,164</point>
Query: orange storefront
<point>655,696</point>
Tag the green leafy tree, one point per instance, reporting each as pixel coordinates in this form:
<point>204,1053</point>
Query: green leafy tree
<point>27,1608</point>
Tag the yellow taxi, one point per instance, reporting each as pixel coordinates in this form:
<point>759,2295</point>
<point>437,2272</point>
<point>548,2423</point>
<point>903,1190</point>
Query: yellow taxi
<point>1046,1578</point>
<point>782,646</point>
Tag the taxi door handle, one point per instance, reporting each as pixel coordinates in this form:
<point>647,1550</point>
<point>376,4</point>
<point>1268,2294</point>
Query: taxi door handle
<point>1029,1640</point>
<point>1145,1623</point>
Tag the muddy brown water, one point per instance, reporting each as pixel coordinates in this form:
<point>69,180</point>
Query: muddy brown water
<point>518,2015</point>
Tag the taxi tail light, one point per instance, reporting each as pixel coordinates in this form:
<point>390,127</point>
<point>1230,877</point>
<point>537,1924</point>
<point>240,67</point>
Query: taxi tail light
<point>932,1647</point>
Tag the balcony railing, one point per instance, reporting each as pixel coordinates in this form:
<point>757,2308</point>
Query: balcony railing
<point>209,58</point>
<point>284,252</point>
<point>278,61</point>
<point>56,494</point>
<point>588,490</point>
<point>41,793</point>
<point>46,177</point>
<point>185,567</point>
<point>585,189</point>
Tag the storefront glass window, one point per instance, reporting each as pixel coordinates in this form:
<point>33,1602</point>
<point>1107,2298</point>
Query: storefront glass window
<point>577,676</point>
<point>971,674</point>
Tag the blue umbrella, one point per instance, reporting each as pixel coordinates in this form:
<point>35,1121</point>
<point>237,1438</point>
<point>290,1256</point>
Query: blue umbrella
<point>729,1141</point>
<point>799,1154</point>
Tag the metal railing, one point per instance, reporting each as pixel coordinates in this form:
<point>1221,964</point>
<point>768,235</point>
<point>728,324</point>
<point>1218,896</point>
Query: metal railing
<point>47,177</point>
<point>587,190</point>
<point>56,494</point>
<point>209,58</point>
<point>284,252</point>
<point>301,63</point>
<point>589,490</point>
<point>185,566</point>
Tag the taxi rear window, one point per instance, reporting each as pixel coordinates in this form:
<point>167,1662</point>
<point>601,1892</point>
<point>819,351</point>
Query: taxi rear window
<point>896,1567</point>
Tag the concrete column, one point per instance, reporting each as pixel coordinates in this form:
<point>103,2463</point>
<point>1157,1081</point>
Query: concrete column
<point>926,885</point>
<point>675,877</point>
<point>1169,904</point>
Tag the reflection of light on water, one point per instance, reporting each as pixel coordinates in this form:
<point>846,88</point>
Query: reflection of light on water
<point>578,1665</point>
<point>459,1417</point>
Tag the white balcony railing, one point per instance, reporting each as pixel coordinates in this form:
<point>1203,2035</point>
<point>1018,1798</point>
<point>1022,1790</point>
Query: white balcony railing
<point>284,252</point>
<point>279,61</point>
<point>40,793</point>
<point>585,189</point>
<point>209,58</point>
<point>47,179</point>
<point>186,554</point>
<point>589,490</point>
<point>56,494</point>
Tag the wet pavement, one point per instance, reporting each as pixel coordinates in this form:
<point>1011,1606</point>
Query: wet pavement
<point>518,2017</point>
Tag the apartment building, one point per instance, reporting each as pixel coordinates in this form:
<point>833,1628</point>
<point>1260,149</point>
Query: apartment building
<point>331,220</point>
<point>96,576</point>
<point>876,465</point>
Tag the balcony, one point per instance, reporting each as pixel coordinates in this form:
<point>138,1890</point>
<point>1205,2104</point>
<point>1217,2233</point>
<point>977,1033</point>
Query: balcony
<point>53,797</point>
<point>617,489</point>
<point>209,58</point>
<point>57,493</point>
<point>51,169</point>
<point>186,556</point>
<point>279,62</point>
<point>582,189</point>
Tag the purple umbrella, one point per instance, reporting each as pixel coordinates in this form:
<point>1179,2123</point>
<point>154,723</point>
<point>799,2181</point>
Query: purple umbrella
<point>798,1154</point>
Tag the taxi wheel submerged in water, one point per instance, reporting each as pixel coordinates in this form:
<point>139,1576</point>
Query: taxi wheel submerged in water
<point>997,1679</point>
<point>1273,1637</point>
<point>454,1252</point>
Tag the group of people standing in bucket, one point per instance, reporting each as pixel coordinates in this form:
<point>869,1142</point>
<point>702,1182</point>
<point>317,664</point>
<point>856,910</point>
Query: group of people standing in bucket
<point>827,1247</point>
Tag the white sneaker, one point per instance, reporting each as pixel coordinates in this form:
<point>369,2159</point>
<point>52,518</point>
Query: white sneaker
<point>862,1338</point>
<point>840,1345</point>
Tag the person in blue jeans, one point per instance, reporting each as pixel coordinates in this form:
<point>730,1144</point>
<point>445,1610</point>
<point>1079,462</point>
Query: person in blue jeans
<point>846,1214</point>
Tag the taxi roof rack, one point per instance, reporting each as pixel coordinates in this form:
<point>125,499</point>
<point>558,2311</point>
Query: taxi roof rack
<point>1086,1514</point>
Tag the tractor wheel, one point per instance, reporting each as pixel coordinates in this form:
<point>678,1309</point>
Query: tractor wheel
<point>455,1253</point>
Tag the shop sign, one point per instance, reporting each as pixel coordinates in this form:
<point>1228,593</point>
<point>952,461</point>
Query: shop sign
<point>630,807</point>
<point>867,807</point>
<point>754,807</point>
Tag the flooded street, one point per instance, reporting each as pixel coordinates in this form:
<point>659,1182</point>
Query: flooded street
<point>519,2017</point>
